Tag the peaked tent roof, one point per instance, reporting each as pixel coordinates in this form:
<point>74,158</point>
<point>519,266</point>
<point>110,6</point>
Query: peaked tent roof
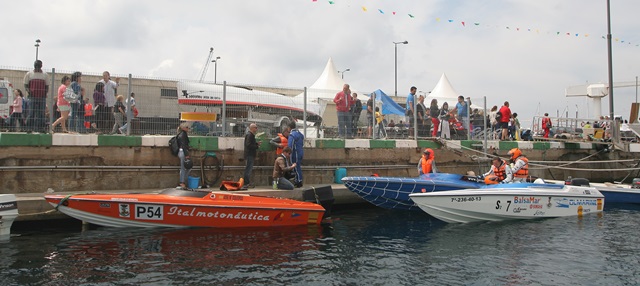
<point>443,90</point>
<point>328,83</point>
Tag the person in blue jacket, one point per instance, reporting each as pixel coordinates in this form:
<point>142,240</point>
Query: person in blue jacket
<point>296,143</point>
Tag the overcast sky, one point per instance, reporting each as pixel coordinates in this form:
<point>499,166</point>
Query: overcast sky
<point>506,50</point>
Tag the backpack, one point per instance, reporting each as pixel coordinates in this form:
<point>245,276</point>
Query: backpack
<point>498,115</point>
<point>173,145</point>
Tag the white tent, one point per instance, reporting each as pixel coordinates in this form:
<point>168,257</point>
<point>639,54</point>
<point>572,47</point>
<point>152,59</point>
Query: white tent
<point>323,90</point>
<point>444,91</point>
<point>327,85</point>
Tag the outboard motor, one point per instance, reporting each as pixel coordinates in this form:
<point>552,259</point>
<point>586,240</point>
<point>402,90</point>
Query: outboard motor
<point>322,195</point>
<point>580,182</point>
<point>635,183</point>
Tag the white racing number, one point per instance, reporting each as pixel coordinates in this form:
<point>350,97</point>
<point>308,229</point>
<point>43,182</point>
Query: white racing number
<point>149,212</point>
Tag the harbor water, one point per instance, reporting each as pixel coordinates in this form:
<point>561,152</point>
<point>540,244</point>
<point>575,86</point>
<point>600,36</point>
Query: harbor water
<point>363,246</point>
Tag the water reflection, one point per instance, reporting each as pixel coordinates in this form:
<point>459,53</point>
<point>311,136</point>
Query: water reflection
<point>363,246</point>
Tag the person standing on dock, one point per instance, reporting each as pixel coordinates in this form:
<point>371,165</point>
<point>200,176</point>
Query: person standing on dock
<point>343,101</point>
<point>250,151</point>
<point>546,125</point>
<point>110,88</point>
<point>296,143</point>
<point>463,113</point>
<point>520,165</point>
<point>37,86</point>
<point>183,154</point>
<point>372,97</point>
<point>503,122</point>
<point>410,108</point>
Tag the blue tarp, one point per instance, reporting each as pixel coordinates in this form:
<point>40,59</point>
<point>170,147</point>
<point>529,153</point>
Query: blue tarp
<point>388,105</point>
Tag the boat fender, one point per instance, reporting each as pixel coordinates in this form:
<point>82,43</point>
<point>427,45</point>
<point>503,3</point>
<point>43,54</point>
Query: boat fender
<point>63,201</point>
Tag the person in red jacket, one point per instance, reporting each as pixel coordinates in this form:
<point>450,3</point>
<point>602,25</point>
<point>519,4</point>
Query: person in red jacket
<point>505,117</point>
<point>546,125</point>
<point>343,101</point>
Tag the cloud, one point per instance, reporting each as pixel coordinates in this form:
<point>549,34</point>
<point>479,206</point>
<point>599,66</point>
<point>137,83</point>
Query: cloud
<point>287,43</point>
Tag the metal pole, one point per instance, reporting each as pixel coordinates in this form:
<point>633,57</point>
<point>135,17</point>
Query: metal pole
<point>52,98</point>
<point>224,108</point>
<point>415,117</point>
<point>373,117</point>
<point>636,89</point>
<point>616,130</point>
<point>484,121</point>
<point>37,45</point>
<point>396,69</point>
<point>129,111</point>
<point>215,71</point>
<point>610,61</point>
<point>304,114</point>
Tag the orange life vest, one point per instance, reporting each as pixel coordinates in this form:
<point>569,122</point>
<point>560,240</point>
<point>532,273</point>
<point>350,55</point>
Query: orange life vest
<point>88,109</point>
<point>427,164</point>
<point>283,141</point>
<point>499,171</point>
<point>524,171</point>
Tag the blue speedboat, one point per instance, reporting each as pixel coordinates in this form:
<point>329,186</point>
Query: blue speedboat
<point>393,192</point>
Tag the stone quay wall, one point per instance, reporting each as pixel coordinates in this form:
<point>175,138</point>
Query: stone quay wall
<point>32,163</point>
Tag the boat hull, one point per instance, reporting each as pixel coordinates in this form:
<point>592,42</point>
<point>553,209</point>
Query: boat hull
<point>8,214</point>
<point>189,209</point>
<point>473,205</point>
<point>393,192</point>
<point>618,194</point>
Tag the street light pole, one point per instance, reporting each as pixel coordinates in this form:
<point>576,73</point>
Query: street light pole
<point>37,45</point>
<point>344,72</point>
<point>396,64</point>
<point>215,70</point>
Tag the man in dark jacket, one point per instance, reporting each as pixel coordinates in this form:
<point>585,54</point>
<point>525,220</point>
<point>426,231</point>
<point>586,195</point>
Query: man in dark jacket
<point>250,151</point>
<point>296,143</point>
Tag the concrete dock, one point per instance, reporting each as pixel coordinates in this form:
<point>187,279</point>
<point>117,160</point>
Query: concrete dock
<point>33,207</point>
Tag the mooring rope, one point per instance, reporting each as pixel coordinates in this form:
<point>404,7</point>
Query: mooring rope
<point>539,165</point>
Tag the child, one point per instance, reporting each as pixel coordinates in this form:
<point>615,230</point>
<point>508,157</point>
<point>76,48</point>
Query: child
<point>379,119</point>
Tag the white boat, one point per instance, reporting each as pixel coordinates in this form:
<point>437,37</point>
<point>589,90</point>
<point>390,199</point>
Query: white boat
<point>8,213</point>
<point>472,205</point>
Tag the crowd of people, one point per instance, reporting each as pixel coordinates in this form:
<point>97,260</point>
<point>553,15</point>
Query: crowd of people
<point>72,107</point>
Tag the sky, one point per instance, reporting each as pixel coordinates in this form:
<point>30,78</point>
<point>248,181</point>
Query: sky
<point>506,50</point>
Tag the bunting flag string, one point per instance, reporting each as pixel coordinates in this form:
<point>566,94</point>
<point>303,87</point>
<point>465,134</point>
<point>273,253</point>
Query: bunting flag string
<point>478,24</point>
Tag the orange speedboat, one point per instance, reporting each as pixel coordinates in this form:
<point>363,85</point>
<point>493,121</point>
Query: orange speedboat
<point>179,208</point>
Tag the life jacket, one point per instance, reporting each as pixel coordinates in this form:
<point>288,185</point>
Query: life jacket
<point>88,109</point>
<point>283,141</point>
<point>524,171</point>
<point>427,164</point>
<point>231,185</point>
<point>499,172</point>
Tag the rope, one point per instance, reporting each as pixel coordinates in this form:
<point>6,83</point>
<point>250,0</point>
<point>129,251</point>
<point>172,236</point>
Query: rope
<point>545,167</point>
